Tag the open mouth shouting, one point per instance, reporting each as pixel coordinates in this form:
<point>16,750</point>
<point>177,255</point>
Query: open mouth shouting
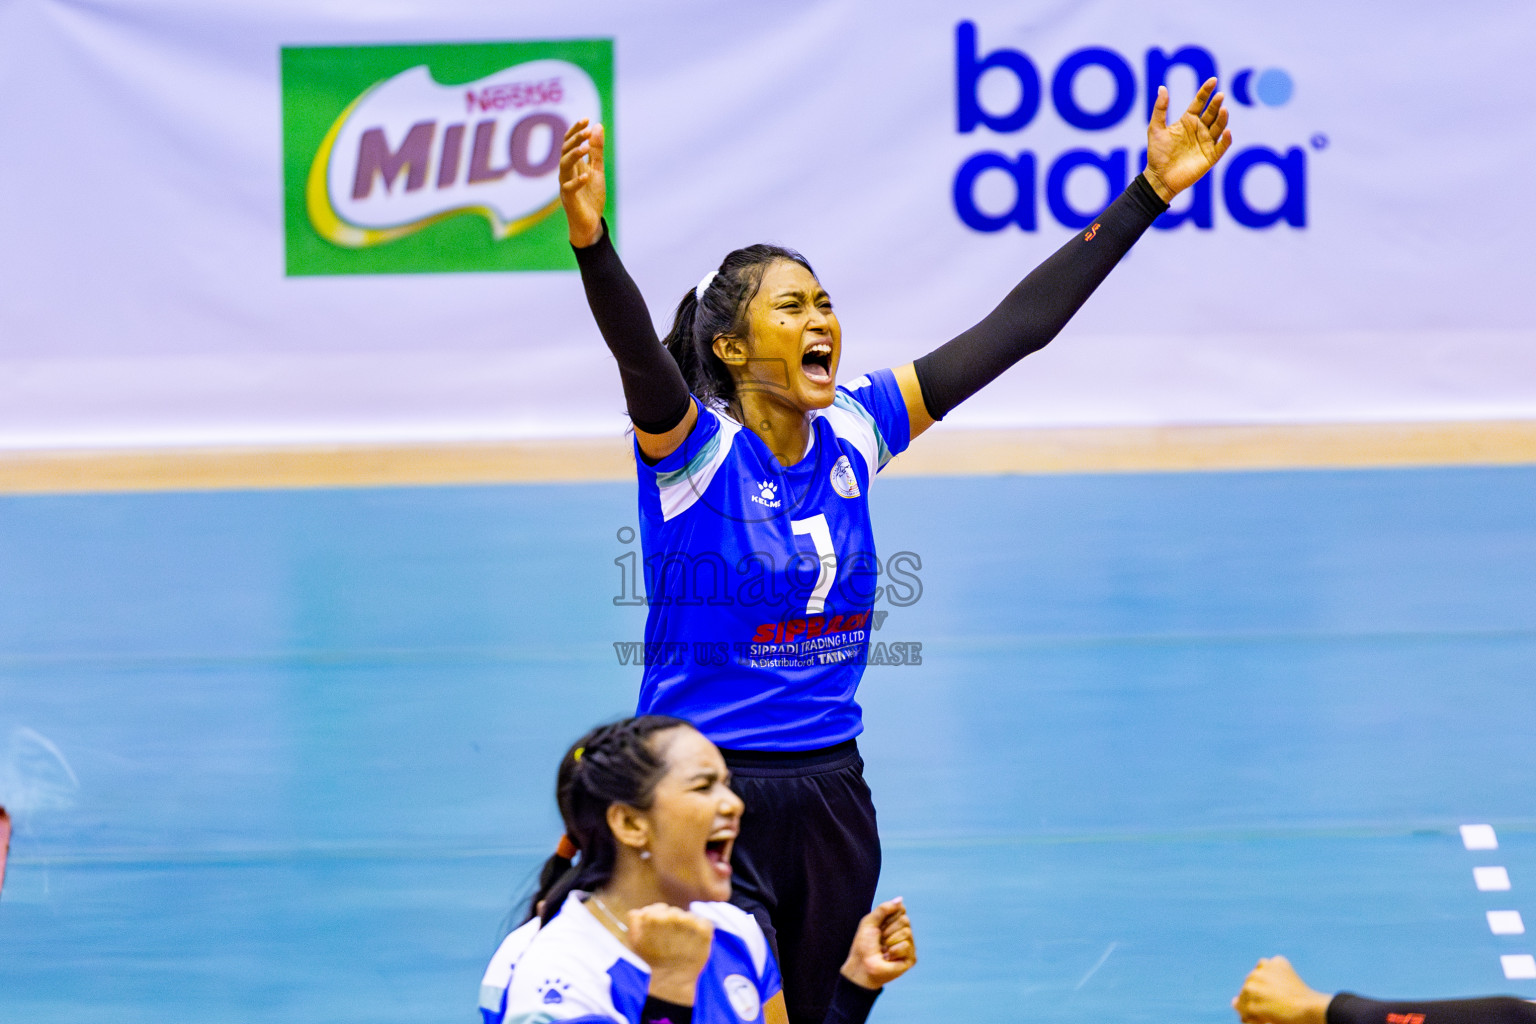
<point>718,851</point>
<point>816,362</point>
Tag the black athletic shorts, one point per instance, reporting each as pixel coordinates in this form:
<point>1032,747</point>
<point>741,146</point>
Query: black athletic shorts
<point>806,862</point>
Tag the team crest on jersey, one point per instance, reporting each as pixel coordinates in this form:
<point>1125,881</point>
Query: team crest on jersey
<point>767,494</point>
<point>843,480</point>
<point>553,989</point>
<point>743,996</point>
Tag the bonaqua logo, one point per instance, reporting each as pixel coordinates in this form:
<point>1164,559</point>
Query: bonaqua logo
<point>1272,87</point>
<point>433,158</point>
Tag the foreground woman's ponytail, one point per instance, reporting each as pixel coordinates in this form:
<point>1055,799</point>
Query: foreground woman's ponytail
<point>719,306</point>
<point>612,764</point>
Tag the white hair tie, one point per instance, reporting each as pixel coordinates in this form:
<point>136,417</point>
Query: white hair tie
<point>698,293</point>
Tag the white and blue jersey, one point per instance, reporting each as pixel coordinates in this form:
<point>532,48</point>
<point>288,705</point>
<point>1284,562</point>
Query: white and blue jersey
<point>762,578</point>
<point>574,969</point>
<point>498,973</point>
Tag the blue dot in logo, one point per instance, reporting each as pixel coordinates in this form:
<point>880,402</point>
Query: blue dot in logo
<point>1274,88</point>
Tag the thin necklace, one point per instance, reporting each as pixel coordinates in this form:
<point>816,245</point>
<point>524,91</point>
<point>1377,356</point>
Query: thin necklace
<point>620,925</point>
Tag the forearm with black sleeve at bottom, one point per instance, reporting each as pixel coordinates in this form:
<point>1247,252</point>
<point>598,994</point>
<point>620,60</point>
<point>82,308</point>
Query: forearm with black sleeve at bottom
<point>1348,1008</point>
<point>850,1005</point>
<point>655,392</point>
<point>1039,306</point>
<point>659,1011</point>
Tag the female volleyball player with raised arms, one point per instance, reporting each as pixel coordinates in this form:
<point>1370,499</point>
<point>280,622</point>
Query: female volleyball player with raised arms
<point>754,471</point>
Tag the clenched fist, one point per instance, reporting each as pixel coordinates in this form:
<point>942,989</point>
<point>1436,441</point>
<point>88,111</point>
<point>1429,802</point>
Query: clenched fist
<point>1273,993</point>
<point>882,949</point>
<point>675,944</point>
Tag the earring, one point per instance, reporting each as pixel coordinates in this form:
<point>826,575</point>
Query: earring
<point>645,854</point>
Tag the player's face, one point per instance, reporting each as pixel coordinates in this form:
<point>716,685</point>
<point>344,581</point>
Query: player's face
<point>793,338</point>
<point>694,819</point>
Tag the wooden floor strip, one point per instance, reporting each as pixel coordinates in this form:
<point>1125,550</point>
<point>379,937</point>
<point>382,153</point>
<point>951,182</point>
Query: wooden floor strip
<point>1190,448</point>
<point>943,452</point>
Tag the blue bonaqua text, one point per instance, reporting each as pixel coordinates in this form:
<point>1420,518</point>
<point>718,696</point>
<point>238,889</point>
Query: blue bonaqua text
<point>1114,166</point>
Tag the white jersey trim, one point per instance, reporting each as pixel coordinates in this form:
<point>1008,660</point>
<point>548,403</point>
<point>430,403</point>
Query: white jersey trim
<point>682,488</point>
<point>498,974</point>
<point>852,421</point>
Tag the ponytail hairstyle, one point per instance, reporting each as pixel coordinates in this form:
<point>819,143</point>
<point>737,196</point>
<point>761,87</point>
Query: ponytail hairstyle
<point>612,764</point>
<point>720,307</point>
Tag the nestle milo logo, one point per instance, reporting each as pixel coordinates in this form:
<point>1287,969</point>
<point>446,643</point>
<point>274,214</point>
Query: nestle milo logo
<point>434,158</point>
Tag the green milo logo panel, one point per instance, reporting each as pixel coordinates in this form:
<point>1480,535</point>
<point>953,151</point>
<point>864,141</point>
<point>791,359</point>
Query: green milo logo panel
<point>436,158</point>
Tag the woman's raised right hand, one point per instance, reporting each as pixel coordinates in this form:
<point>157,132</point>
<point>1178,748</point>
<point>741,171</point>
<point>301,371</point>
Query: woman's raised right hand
<point>882,949</point>
<point>583,186</point>
<point>675,944</point>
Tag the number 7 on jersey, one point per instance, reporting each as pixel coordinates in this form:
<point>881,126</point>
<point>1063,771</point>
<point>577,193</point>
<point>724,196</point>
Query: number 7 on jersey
<point>821,536</point>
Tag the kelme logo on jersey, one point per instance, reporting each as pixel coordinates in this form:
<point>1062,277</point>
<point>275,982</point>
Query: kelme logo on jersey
<point>1004,91</point>
<point>768,494</point>
<point>553,990</point>
<point>434,158</point>
<point>842,478</point>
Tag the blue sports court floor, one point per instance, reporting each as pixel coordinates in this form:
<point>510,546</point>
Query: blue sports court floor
<point>288,756</point>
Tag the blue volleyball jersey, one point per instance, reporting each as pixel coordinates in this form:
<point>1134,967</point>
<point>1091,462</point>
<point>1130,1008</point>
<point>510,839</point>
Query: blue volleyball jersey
<point>574,969</point>
<point>761,578</point>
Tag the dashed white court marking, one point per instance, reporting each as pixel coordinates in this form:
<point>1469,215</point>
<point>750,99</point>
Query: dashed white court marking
<point>1519,965</point>
<point>1505,922</point>
<point>1491,879</point>
<point>1479,837</point>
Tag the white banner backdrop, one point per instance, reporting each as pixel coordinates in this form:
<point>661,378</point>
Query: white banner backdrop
<point>1366,257</point>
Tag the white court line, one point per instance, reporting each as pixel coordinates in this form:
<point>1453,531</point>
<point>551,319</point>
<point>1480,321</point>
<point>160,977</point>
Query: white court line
<point>1479,837</point>
<point>1493,879</point>
<point>1094,969</point>
<point>1519,965</point>
<point>1505,922</point>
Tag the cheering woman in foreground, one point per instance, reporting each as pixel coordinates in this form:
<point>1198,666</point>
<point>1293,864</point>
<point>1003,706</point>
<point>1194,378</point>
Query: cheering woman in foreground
<point>638,932</point>
<point>755,467</point>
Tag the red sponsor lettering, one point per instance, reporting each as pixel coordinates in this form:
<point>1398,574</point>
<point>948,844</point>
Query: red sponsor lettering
<point>513,96</point>
<point>1405,1018</point>
<point>818,625</point>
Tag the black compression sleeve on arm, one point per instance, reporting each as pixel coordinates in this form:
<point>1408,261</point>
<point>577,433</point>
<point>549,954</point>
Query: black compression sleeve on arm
<point>1348,1008</point>
<point>1039,306</point>
<point>850,1003</point>
<point>659,1011</point>
<point>654,390</point>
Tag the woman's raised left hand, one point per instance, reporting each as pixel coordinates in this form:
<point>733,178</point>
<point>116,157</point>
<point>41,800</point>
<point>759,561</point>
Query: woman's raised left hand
<point>583,182</point>
<point>1179,154</point>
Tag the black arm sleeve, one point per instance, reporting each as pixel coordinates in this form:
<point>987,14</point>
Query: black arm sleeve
<point>1347,1008</point>
<point>1039,307</point>
<point>659,1011</point>
<point>654,389</point>
<point>850,1003</point>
